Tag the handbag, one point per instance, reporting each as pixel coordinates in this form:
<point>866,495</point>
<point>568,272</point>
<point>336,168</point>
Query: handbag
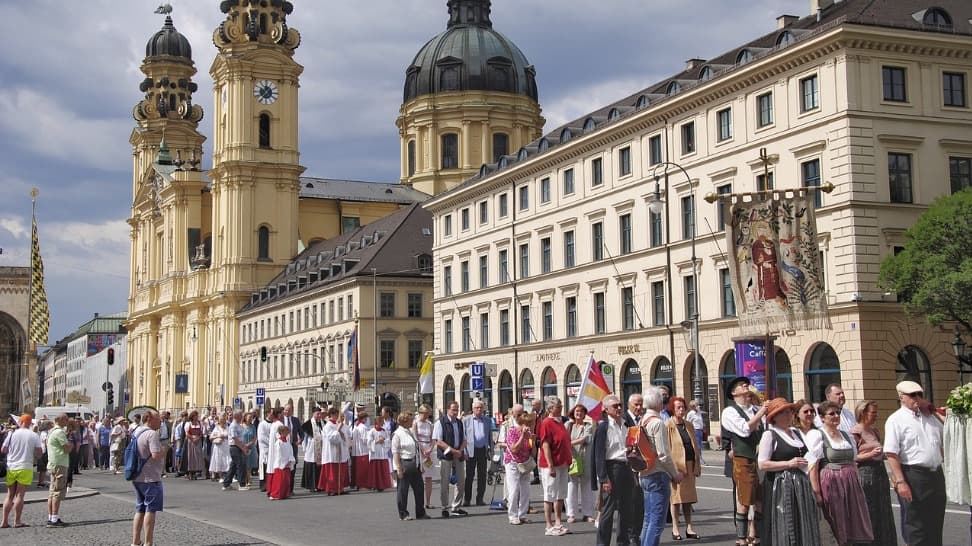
<point>526,466</point>
<point>576,467</point>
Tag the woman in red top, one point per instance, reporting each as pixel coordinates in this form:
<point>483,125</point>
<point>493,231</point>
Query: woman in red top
<point>555,457</point>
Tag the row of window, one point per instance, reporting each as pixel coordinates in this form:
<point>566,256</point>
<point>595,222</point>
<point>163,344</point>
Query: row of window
<point>311,362</point>
<point>631,317</point>
<point>331,311</point>
<point>449,151</point>
<point>901,175</point>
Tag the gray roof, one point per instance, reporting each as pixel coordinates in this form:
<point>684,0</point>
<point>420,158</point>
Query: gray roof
<point>390,245</point>
<point>901,14</point>
<point>354,190</point>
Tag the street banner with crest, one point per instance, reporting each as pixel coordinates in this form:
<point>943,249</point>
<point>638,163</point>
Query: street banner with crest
<point>774,263</point>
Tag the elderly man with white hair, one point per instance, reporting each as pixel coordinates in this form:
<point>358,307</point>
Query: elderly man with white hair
<point>656,482</point>
<point>478,429</point>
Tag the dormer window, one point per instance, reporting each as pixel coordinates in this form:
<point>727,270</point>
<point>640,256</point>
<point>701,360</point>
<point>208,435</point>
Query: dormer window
<point>936,17</point>
<point>673,88</point>
<point>744,57</point>
<point>705,74</point>
<point>503,162</point>
<point>642,102</point>
<point>785,38</point>
<point>544,145</point>
<point>590,125</point>
<point>522,154</point>
<point>614,114</point>
<point>424,262</point>
<point>565,135</point>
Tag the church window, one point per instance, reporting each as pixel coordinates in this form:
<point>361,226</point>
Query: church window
<point>411,157</point>
<point>263,23</point>
<point>449,78</point>
<point>501,142</point>
<point>263,243</point>
<point>264,130</point>
<point>450,151</point>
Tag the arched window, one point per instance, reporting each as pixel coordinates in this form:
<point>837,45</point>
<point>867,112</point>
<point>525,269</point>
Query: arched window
<point>744,56</point>
<point>549,382</point>
<point>823,370</point>
<point>589,125</point>
<point>522,154</point>
<point>503,163</point>
<point>785,38</point>
<point>706,73</point>
<point>300,409</point>
<point>913,365</point>
<point>465,402</point>
<point>527,391</point>
<point>448,391</point>
<point>661,374</point>
<point>642,102</point>
<point>939,18</point>
<point>264,130</point>
<point>263,243</point>
<point>630,379</point>
<point>673,88</point>
<point>727,372</point>
<point>572,383</point>
<point>411,157</point>
<point>505,392</point>
<point>784,375</point>
<point>614,114</point>
<point>449,78</point>
<point>544,144</point>
<point>501,145</point>
<point>263,23</point>
<point>565,134</point>
<point>488,394</point>
<point>450,151</point>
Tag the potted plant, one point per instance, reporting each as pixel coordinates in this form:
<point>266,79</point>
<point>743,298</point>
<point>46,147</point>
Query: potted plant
<point>958,445</point>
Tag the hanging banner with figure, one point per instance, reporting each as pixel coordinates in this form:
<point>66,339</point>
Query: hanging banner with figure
<point>775,265</point>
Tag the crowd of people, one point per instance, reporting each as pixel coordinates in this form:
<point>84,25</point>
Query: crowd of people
<point>818,469</point>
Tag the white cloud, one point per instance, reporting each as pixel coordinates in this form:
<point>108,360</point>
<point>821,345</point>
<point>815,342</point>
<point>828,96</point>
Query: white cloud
<point>15,226</point>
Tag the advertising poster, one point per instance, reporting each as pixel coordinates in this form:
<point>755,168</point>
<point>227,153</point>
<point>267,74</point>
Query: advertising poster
<point>752,361</point>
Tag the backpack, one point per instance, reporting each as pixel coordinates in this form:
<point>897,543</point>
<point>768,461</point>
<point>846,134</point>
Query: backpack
<point>133,461</point>
<point>639,453</point>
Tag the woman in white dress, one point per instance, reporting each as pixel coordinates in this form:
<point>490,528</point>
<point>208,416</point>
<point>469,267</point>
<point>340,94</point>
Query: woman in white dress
<point>220,459</point>
<point>423,433</point>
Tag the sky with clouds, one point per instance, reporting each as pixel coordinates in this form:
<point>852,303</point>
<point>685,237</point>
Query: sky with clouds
<point>70,74</point>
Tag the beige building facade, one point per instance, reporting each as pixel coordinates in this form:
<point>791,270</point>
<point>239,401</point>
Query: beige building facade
<point>553,255</point>
<point>16,363</point>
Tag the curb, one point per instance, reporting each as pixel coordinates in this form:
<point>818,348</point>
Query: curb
<point>40,495</point>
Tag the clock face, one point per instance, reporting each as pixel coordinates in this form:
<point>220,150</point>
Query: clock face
<point>265,92</point>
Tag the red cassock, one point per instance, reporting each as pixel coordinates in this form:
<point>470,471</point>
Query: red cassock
<point>278,484</point>
<point>380,474</point>
<point>334,478</point>
<point>361,475</point>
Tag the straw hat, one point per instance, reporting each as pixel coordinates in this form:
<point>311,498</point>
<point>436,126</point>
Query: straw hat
<point>775,406</point>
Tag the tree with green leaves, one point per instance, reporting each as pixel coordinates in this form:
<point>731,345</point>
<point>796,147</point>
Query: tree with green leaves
<point>933,274</point>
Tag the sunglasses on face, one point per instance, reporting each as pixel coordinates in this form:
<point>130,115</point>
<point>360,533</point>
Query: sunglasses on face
<point>614,406</point>
<point>832,413</point>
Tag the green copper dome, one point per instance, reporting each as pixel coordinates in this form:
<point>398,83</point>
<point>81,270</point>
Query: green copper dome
<point>470,56</point>
<point>168,41</point>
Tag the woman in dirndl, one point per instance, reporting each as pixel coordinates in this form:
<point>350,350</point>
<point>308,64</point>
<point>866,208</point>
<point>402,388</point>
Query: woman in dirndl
<point>836,483</point>
<point>874,477</point>
<point>193,450</point>
<point>790,515</point>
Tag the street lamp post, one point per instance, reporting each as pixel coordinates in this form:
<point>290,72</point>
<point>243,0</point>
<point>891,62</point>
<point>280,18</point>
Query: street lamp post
<point>657,205</point>
<point>963,356</point>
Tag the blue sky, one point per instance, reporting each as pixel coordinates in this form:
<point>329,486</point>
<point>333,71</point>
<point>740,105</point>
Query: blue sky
<point>70,73</point>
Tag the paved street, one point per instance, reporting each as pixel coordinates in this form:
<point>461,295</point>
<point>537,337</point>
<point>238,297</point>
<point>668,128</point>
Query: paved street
<point>199,513</point>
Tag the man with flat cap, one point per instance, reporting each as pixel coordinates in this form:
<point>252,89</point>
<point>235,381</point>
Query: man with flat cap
<point>913,444</point>
<point>745,423</point>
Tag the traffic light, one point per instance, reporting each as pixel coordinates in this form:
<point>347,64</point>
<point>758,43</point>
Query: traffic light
<point>111,356</point>
<point>263,354</point>
<point>111,396</point>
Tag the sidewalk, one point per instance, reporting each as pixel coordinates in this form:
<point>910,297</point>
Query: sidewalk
<point>39,494</point>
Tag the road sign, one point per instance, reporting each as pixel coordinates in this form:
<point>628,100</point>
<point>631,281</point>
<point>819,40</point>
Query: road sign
<point>260,400</point>
<point>477,369</point>
<point>491,370</point>
<point>260,391</point>
<point>478,384</point>
<point>182,383</point>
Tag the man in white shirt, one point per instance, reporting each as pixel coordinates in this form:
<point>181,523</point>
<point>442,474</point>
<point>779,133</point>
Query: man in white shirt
<point>835,394</point>
<point>615,481</point>
<point>746,428</point>
<point>21,446</point>
<point>913,444</point>
<point>263,441</point>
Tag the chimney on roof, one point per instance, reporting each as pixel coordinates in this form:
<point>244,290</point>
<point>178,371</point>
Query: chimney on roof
<point>96,315</point>
<point>784,21</point>
<point>694,63</point>
<point>816,6</point>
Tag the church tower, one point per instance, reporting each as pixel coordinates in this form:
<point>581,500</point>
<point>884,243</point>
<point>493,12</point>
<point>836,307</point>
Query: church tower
<point>470,98</point>
<point>166,215</point>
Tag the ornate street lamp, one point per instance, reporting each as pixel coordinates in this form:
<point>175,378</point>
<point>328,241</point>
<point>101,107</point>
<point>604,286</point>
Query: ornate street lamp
<point>963,355</point>
<point>657,206</point>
